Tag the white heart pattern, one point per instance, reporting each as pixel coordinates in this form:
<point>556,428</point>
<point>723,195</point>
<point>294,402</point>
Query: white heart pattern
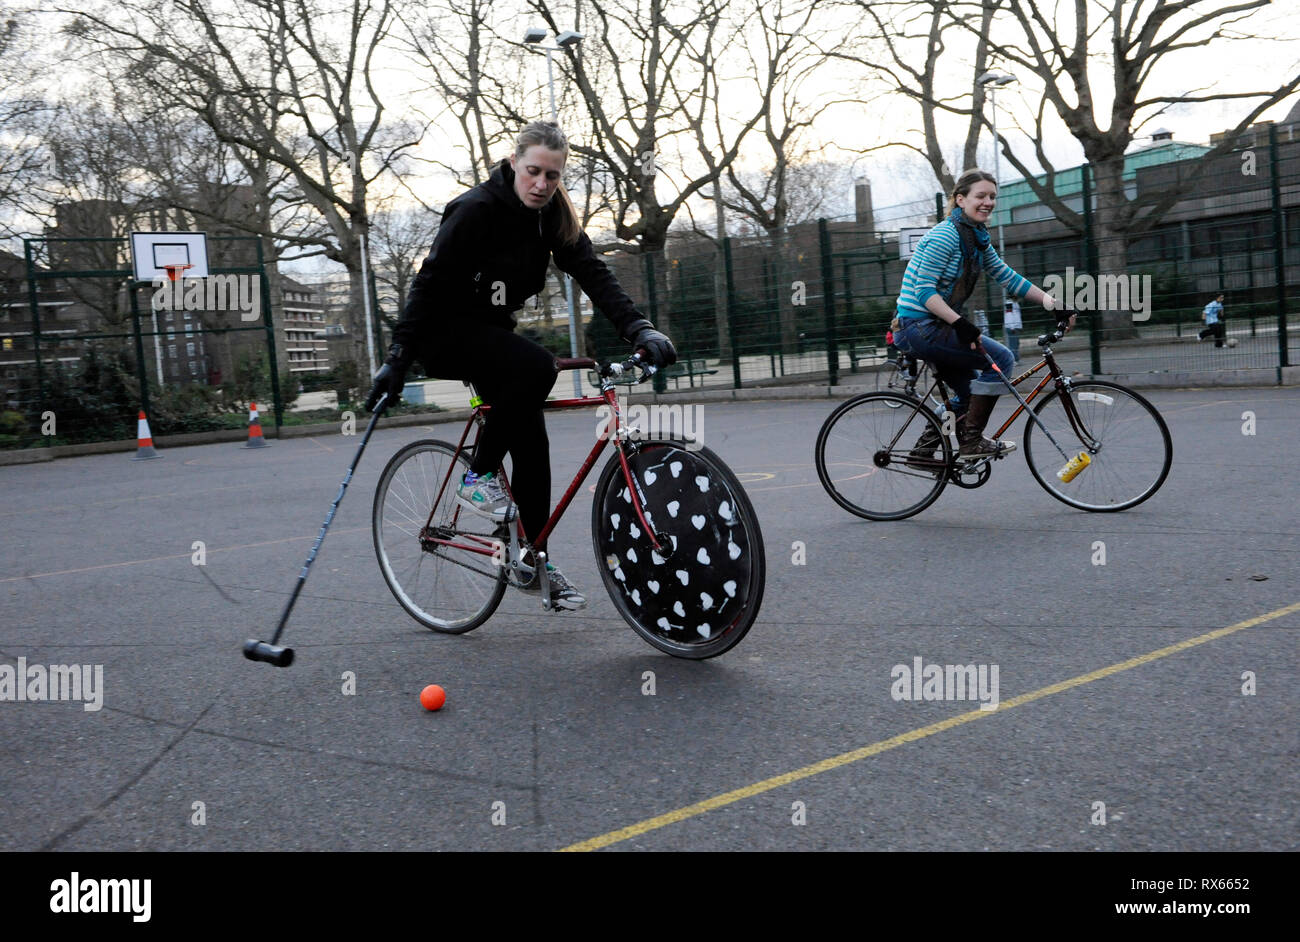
<point>724,511</point>
<point>684,577</point>
<point>705,630</point>
<point>656,558</point>
<point>654,586</point>
<point>636,597</point>
<point>615,519</point>
<point>730,588</point>
<point>732,549</point>
<point>649,477</point>
<point>631,555</point>
<point>672,507</point>
<point>676,468</point>
<point>706,600</point>
<point>677,607</point>
<point>633,529</point>
<point>703,556</point>
<point>697,521</point>
<point>702,482</point>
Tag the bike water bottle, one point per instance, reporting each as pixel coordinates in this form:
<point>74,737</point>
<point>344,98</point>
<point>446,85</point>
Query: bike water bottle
<point>1074,466</point>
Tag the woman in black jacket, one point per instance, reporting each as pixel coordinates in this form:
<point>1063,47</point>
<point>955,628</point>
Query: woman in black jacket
<point>489,256</point>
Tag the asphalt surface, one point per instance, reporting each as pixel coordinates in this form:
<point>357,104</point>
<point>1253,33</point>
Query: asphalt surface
<point>547,730</point>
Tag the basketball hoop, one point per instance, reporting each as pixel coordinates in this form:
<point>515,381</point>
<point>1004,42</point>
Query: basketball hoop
<point>174,270</point>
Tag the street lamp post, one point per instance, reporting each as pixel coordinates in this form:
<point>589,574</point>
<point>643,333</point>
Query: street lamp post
<point>532,37</point>
<point>991,81</point>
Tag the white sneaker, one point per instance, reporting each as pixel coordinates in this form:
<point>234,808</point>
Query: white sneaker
<point>484,495</point>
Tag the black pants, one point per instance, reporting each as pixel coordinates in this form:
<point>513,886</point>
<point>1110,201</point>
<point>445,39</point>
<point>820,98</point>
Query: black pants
<point>1215,330</point>
<point>514,376</point>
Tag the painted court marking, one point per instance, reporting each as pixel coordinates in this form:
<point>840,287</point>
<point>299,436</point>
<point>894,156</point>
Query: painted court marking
<point>866,752</point>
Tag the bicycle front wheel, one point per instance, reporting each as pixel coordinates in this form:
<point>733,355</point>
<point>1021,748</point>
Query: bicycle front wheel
<point>865,458</point>
<point>440,568</point>
<point>699,598</point>
<point>1125,438</point>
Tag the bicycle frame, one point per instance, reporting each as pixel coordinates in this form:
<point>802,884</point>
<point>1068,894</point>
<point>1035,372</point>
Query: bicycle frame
<point>615,430</point>
<point>1055,376</point>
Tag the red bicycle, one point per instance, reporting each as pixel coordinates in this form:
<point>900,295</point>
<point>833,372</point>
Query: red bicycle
<point>676,539</point>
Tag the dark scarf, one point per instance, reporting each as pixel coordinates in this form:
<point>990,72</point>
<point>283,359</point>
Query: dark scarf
<point>974,240</point>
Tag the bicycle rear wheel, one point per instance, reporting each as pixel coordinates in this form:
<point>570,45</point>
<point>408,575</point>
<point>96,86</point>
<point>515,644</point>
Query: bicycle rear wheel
<point>864,457</point>
<point>442,573</point>
<point>1123,435</point>
<point>701,598</point>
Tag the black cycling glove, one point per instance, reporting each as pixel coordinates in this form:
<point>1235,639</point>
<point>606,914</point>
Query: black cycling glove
<point>390,379</point>
<point>966,331</point>
<point>657,345</point>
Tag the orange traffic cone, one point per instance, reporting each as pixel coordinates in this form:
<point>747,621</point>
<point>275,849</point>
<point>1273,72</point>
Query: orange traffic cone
<point>144,439</point>
<point>255,439</point>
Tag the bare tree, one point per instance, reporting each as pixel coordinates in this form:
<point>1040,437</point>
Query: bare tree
<point>24,113</point>
<point>1127,43</point>
<point>467,65</point>
<point>907,48</point>
<point>290,81</point>
<point>400,239</point>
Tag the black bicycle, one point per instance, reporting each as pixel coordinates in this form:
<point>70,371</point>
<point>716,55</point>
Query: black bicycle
<point>1094,445</point>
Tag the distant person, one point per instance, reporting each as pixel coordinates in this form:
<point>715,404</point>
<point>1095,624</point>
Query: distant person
<point>1011,327</point>
<point>1213,317</point>
<point>940,278</point>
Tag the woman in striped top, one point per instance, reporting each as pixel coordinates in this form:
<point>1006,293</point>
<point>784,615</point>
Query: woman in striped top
<point>940,278</point>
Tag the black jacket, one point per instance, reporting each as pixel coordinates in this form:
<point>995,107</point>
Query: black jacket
<point>490,255</point>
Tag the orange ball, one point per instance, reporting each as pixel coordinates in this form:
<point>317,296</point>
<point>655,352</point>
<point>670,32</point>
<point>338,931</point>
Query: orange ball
<point>433,697</point>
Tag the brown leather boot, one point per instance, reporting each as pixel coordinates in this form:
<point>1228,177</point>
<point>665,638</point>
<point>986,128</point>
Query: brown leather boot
<point>971,427</point>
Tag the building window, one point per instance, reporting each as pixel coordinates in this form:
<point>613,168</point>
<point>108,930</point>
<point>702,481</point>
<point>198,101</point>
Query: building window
<point>194,370</point>
<point>189,349</point>
<point>171,350</point>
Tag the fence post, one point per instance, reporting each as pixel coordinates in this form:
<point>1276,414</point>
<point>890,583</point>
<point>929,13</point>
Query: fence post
<point>1279,256</point>
<point>828,299</point>
<point>268,318</point>
<point>938,208</point>
<point>660,381</point>
<point>36,325</point>
<point>1090,258</point>
<point>731,311</point>
<point>141,374</point>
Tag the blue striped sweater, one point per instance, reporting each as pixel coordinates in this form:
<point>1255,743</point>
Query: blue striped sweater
<point>936,264</point>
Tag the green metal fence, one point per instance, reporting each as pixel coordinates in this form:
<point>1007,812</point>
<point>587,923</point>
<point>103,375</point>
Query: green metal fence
<point>91,347</point>
<point>812,302</point>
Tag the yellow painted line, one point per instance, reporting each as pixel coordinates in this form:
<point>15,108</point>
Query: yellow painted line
<point>866,752</point>
<point>158,559</point>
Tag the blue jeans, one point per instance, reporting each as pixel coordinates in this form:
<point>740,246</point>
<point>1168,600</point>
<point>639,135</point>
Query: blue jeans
<point>956,363</point>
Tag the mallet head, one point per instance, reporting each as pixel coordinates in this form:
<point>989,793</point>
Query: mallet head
<point>256,650</point>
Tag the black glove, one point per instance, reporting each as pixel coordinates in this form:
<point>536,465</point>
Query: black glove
<point>658,346</point>
<point>967,332</point>
<point>1063,316</point>
<point>390,379</point>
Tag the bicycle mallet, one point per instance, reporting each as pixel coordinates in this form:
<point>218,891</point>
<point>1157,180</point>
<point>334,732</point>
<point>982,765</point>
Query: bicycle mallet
<point>270,651</point>
<point>1073,465</point>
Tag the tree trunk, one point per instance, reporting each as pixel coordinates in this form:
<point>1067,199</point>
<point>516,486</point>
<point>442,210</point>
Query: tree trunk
<point>1110,237</point>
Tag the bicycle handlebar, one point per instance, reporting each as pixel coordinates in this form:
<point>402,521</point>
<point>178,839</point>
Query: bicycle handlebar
<point>608,370</point>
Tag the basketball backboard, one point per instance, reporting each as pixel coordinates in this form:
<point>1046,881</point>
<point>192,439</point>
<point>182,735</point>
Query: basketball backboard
<point>152,252</point>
